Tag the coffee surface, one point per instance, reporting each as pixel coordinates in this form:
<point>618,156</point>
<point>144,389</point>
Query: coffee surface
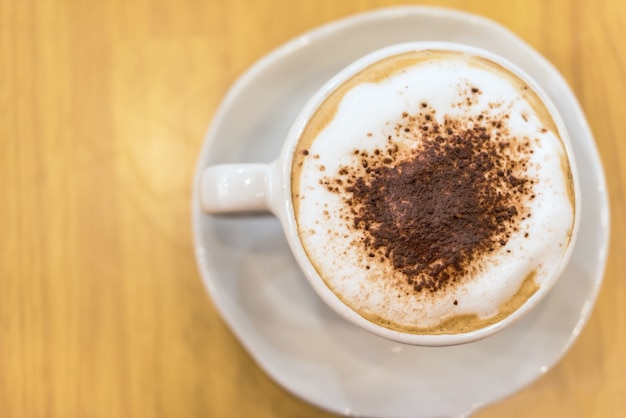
<point>432,192</point>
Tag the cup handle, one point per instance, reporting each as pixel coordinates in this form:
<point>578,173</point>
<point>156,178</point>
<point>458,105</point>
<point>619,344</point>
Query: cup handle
<point>235,188</point>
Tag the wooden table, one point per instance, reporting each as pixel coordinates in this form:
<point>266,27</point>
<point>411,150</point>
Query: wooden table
<point>103,109</point>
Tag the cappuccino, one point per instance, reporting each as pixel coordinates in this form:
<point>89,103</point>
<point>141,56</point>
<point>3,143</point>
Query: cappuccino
<point>433,193</point>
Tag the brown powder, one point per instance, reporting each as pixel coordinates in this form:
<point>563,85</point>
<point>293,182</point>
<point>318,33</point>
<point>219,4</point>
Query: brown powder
<point>434,210</point>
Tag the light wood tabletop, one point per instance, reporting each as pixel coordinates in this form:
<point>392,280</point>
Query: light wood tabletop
<point>103,109</point>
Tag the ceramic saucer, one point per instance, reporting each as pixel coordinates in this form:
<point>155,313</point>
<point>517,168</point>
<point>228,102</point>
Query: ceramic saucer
<point>258,289</point>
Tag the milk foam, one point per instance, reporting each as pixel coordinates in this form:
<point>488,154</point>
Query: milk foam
<point>365,115</point>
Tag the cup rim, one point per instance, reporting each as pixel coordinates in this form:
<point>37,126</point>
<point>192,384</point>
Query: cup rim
<point>282,168</point>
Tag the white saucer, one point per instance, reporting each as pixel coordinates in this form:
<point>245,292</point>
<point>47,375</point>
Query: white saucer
<point>265,299</point>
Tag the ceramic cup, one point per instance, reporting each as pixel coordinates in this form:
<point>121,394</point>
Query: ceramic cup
<point>249,189</point>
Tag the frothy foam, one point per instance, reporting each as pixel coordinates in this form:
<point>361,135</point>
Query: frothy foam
<point>433,193</point>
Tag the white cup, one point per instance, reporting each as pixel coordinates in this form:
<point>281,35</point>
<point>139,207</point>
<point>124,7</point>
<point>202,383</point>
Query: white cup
<point>249,189</point>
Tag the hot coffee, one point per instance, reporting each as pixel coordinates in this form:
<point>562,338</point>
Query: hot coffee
<point>433,193</point>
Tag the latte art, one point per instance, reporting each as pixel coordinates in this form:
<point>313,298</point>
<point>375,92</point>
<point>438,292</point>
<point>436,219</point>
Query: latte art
<point>432,192</point>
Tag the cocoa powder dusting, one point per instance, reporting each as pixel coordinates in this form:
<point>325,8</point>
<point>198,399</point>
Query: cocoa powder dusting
<point>432,209</point>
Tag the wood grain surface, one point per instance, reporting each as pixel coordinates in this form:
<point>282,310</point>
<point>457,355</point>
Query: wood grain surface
<point>103,109</point>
